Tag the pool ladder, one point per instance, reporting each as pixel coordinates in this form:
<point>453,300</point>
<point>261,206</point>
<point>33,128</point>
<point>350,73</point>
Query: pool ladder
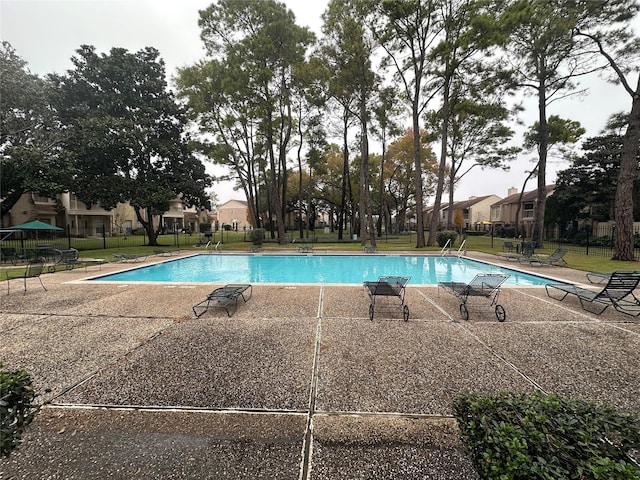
<point>215,249</point>
<point>460,252</point>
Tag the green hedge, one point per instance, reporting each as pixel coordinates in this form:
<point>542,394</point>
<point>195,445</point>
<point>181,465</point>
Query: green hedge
<point>537,436</point>
<point>256,236</point>
<point>16,408</point>
<point>443,235</point>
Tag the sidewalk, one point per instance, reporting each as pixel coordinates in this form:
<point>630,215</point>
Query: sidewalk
<point>298,384</point>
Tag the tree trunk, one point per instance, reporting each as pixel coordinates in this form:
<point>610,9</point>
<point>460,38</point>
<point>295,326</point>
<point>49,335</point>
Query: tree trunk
<point>623,246</point>
<point>442,167</point>
<point>543,146</point>
<point>366,216</point>
<point>345,173</point>
<point>148,226</point>
<point>420,243</point>
<point>9,201</point>
<point>381,206</point>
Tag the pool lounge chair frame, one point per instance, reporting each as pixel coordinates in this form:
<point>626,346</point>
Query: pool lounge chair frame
<point>128,257</point>
<point>34,269</point>
<point>224,297</point>
<point>390,288</point>
<point>482,291</point>
<point>556,258</point>
<point>526,253</point>
<point>67,258</point>
<point>617,293</point>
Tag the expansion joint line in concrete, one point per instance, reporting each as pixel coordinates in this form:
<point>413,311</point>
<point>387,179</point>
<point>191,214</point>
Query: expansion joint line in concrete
<point>95,372</point>
<point>491,350</point>
<point>305,468</point>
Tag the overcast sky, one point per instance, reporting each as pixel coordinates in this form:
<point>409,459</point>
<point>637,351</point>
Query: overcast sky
<point>46,33</point>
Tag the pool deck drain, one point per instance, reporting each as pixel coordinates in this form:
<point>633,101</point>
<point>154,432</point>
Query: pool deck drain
<point>298,384</point>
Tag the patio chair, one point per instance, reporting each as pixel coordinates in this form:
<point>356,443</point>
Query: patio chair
<point>556,258</point>
<point>224,297</point>
<point>482,291</point>
<point>618,293</point>
<point>34,269</point>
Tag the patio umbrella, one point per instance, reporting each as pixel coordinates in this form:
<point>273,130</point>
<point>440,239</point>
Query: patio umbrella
<point>36,225</point>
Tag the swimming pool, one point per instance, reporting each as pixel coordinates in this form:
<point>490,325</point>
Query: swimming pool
<point>316,269</point>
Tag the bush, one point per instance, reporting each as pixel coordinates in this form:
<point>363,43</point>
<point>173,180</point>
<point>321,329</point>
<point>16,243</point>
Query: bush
<point>443,235</point>
<point>518,436</point>
<point>16,409</point>
<point>256,236</point>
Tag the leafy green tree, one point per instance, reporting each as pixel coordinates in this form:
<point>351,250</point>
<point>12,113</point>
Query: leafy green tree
<point>30,135</point>
<point>465,78</point>
<point>219,101</point>
<point>587,189</point>
<point>562,133</point>
<point>127,136</point>
<point>477,137</point>
<point>254,46</point>
<point>621,49</point>
<point>353,46</point>
<point>546,59</point>
<point>399,175</point>
<point>386,117</point>
<point>310,106</point>
<point>407,31</point>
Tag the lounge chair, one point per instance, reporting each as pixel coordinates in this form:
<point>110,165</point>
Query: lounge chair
<point>508,246</point>
<point>482,291</point>
<point>556,258</point>
<point>164,253</point>
<point>618,293</point>
<point>594,277</point>
<point>34,269</point>
<point>526,252</point>
<point>224,297</point>
<point>390,287</point>
<point>128,257</point>
<point>305,248</point>
<point>67,258</point>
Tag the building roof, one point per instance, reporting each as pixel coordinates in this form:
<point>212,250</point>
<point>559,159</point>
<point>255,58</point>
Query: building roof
<point>243,202</point>
<point>461,205</point>
<point>527,197</point>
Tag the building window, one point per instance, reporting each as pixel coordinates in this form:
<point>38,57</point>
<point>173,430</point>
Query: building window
<point>527,210</point>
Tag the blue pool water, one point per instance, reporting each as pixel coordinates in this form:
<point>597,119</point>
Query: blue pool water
<point>317,269</point>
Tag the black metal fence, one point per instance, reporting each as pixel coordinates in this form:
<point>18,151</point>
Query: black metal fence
<point>597,241</point>
<point>26,245</point>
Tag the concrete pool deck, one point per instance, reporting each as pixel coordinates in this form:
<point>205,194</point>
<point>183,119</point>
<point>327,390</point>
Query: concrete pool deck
<point>298,384</point>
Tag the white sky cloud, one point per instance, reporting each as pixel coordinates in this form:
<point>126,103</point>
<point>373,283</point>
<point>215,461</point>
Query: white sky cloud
<point>46,34</point>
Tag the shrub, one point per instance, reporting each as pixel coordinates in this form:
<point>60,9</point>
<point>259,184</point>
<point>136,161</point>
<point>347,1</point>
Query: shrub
<point>443,235</point>
<point>520,436</point>
<point>16,409</point>
<point>256,236</point>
